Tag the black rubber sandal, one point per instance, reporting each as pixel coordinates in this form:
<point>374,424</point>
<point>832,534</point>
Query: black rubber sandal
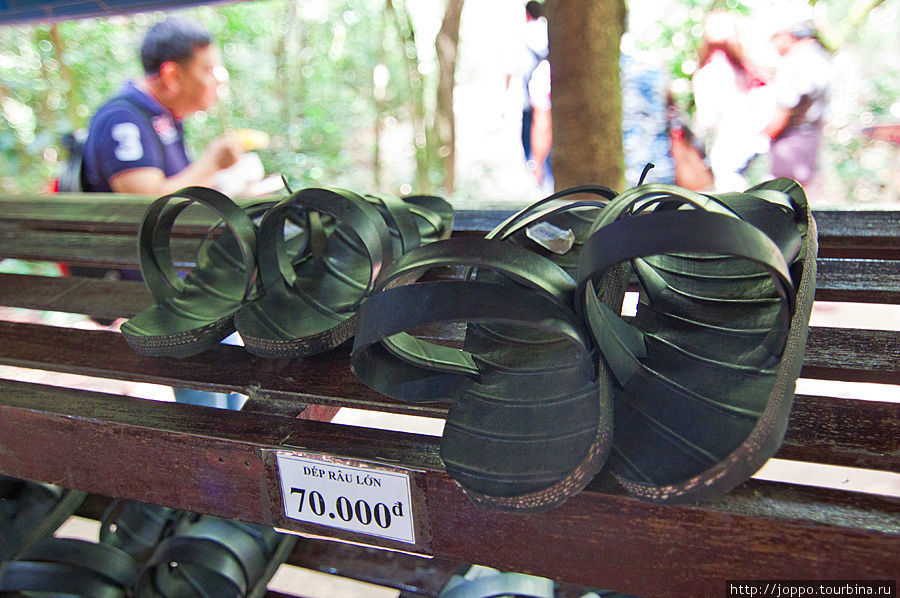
<point>209,557</point>
<point>194,314</point>
<point>310,301</point>
<point>62,567</point>
<point>30,511</point>
<point>705,374</point>
<point>136,528</point>
<point>528,425</point>
<point>484,582</point>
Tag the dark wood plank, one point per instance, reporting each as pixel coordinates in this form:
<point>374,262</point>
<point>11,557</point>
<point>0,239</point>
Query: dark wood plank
<point>831,354</point>
<point>853,355</point>
<point>85,249</point>
<point>843,432</point>
<point>858,280</point>
<point>858,233</point>
<point>105,214</point>
<point>835,431</point>
<point>843,230</point>
<point>209,461</point>
<point>322,380</point>
<point>405,572</point>
<point>73,294</point>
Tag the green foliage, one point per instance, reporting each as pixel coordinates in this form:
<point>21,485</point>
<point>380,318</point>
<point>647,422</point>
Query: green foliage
<point>302,75</point>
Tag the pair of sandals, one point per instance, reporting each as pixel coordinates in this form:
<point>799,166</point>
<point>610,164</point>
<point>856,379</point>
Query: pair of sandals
<point>147,551</point>
<point>680,403</point>
<point>287,295</point>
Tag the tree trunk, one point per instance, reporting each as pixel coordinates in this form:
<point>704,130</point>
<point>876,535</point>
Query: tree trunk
<point>447,45</point>
<point>586,92</point>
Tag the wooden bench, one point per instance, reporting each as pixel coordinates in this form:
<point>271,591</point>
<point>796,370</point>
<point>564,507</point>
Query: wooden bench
<point>223,462</point>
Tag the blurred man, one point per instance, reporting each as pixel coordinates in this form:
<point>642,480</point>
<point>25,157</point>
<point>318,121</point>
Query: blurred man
<point>802,87</point>
<point>135,142</point>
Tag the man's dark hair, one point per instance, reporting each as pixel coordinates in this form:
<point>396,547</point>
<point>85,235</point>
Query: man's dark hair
<point>534,9</point>
<point>173,39</point>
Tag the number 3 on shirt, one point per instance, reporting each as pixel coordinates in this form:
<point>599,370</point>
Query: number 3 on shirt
<point>128,138</point>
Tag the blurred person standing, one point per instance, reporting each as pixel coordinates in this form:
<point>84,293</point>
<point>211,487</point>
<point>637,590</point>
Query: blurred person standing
<point>733,105</point>
<point>802,87</point>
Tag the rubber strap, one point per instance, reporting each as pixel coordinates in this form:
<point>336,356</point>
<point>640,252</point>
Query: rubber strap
<point>55,579</point>
<point>689,231</point>
<point>458,300</point>
<point>514,222</point>
<point>517,263</point>
<point>502,584</point>
<point>399,215</point>
<point>157,267</point>
<point>159,578</point>
<point>361,218</point>
<point>106,561</point>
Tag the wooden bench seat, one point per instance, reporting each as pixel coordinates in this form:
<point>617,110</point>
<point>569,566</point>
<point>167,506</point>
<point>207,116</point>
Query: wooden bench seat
<point>221,462</point>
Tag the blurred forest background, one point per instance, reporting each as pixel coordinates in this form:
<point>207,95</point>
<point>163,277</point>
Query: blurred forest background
<point>348,89</point>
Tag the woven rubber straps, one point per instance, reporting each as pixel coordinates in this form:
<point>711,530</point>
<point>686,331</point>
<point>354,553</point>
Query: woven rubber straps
<point>388,359</point>
<point>157,266</point>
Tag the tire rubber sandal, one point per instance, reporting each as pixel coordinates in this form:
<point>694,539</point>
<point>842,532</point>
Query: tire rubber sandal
<point>30,511</point>
<point>136,528</point>
<point>194,314</point>
<point>209,557</point>
<point>68,568</point>
<point>485,582</point>
<point>705,373</point>
<point>528,425</point>
<point>310,302</point>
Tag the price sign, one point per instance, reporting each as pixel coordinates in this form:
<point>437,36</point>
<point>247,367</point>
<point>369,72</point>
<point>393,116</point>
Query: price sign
<point>367,500</point>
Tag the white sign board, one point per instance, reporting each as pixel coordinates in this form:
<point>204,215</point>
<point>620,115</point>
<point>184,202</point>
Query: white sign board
<point>368,500</point>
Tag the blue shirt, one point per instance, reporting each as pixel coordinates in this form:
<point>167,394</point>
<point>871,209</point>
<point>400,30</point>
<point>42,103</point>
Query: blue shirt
<point>132,130</point>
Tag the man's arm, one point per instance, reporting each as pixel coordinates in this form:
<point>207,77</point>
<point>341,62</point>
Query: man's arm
<point>778,123</point>
<point>221,153</point>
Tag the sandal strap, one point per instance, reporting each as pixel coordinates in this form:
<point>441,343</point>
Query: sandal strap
<point>104,560</point>
<point>136,528</point>
<point>398,214</point>
<point>157,267</point>
<point>388,359</point>
<point>526,215</point>
<point>360,217</point>
<point>235,553</point>
<point>670,231</point>
<point>54,579</point>
<point>502,584</point>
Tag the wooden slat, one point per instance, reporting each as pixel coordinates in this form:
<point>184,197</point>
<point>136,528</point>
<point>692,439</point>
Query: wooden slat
<point>849,231</point>
<point>853,355</point>
<point>843,432</point>
<point>85,249</point>
<point>323,380</point>
<point>858,233</point>
<point>209,461</point>
<point>858,280</point>
<point>73,294</point>
<point>835,431</point>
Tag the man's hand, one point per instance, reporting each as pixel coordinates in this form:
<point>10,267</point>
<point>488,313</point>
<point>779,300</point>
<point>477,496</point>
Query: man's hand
<point>223,151</point>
